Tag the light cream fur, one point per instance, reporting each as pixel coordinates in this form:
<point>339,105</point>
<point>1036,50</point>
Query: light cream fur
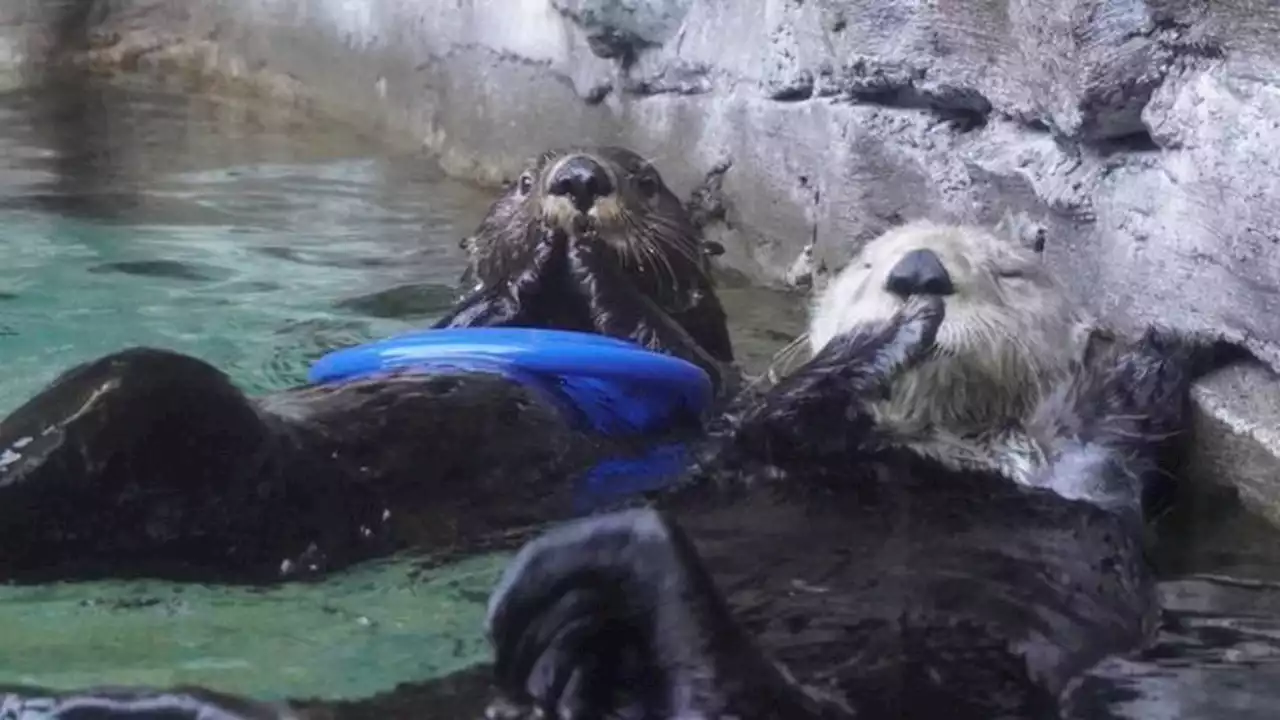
<point>1010,333</point>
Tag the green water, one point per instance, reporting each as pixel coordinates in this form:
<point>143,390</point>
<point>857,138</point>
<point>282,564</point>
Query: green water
<point>257,240</point>
<point>351,636</point>
<point>202,226</point>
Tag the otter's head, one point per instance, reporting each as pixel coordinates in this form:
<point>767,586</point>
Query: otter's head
<point>1008,334</point>
<point>608,195</point>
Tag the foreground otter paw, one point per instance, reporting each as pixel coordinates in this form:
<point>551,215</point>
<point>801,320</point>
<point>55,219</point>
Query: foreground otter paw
<point>601,617</point>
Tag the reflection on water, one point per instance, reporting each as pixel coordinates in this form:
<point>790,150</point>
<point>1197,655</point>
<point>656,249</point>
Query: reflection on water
<point>259,240</point>
<point>210,228</point>
<point>1218,656</point>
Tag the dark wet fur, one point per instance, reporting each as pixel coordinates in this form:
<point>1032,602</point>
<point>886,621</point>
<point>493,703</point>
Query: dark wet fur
<point>172,472</point>
<point>526,272</point>
<point>888,586</point>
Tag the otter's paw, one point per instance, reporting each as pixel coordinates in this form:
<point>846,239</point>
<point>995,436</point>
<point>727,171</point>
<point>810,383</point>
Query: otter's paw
<point>600,617</point>
<point>912,333</point>
<point>819,409</point>
<point>872,355</point>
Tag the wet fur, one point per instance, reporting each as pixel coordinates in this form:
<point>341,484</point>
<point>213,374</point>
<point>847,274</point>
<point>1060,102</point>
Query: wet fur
<point>634,266</point>
<point>821,565</point>
<point>152,463</point>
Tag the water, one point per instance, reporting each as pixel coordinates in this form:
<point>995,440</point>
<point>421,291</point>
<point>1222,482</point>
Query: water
<point>258,239</point>
<point>352,636</point>
<point>246,239</point>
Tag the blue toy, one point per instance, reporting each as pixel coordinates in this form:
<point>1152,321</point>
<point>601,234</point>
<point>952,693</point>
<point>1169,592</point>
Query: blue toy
<point>609,386</point>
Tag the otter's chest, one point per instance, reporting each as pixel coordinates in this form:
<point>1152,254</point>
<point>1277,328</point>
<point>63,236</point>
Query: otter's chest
<point>852,579</point>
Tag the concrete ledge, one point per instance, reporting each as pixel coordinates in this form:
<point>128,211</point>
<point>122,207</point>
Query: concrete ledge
<point>1238,433</point>
<point>1134,142</point>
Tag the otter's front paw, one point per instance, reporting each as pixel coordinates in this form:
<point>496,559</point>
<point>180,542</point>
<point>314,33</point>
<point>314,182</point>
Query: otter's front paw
<point>600,617</point>
<point>820,408</point>
<point>913,332</point>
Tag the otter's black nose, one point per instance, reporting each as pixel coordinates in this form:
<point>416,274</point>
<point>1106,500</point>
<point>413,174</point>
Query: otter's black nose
<point>919,272</point>
<point>581,179</point>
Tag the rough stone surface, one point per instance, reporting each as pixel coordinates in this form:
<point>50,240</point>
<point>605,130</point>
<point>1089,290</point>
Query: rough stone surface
<point>1137,142</point>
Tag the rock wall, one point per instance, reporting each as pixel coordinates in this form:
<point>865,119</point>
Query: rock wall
<point>1137,143</point>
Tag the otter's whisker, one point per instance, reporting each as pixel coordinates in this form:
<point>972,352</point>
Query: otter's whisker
<point>688,252</point>
<point>670,281</point>
<point>781,363</point>
<point>642,244</point>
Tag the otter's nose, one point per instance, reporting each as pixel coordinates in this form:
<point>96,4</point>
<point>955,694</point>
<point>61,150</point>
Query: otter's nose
<point>919,272</point>
<point>582,180</point>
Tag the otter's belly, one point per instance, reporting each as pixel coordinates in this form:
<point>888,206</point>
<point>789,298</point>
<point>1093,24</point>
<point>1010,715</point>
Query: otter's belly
<point>851,582</point>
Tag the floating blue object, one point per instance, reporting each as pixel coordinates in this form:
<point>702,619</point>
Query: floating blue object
<point>621,477</point>
<point>610,386</point>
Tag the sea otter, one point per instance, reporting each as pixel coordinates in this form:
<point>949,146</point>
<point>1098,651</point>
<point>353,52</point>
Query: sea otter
<point>938,515</point>
<point>151,462</point>
<point>625,259</point>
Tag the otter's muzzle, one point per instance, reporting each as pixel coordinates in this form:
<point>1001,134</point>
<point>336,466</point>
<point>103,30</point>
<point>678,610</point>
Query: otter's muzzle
<point>919,272</point>
<point>580,179</point>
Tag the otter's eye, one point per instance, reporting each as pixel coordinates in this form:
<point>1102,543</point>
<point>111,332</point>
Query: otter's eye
<point>526,184</point>
<point>647,183</point>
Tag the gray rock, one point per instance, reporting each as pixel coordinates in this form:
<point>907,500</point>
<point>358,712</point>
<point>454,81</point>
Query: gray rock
<point>624,28</point>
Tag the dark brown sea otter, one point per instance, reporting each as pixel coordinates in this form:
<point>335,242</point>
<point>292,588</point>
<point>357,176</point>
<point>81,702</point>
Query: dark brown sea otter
<point>593,240</point>
<point>151,462</point>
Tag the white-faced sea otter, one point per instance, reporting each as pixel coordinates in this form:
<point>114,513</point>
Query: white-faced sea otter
<point>939,515</point>
<point>151,462</point>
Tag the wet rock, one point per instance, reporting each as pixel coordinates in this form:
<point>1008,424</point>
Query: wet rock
<point>621,29</point>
